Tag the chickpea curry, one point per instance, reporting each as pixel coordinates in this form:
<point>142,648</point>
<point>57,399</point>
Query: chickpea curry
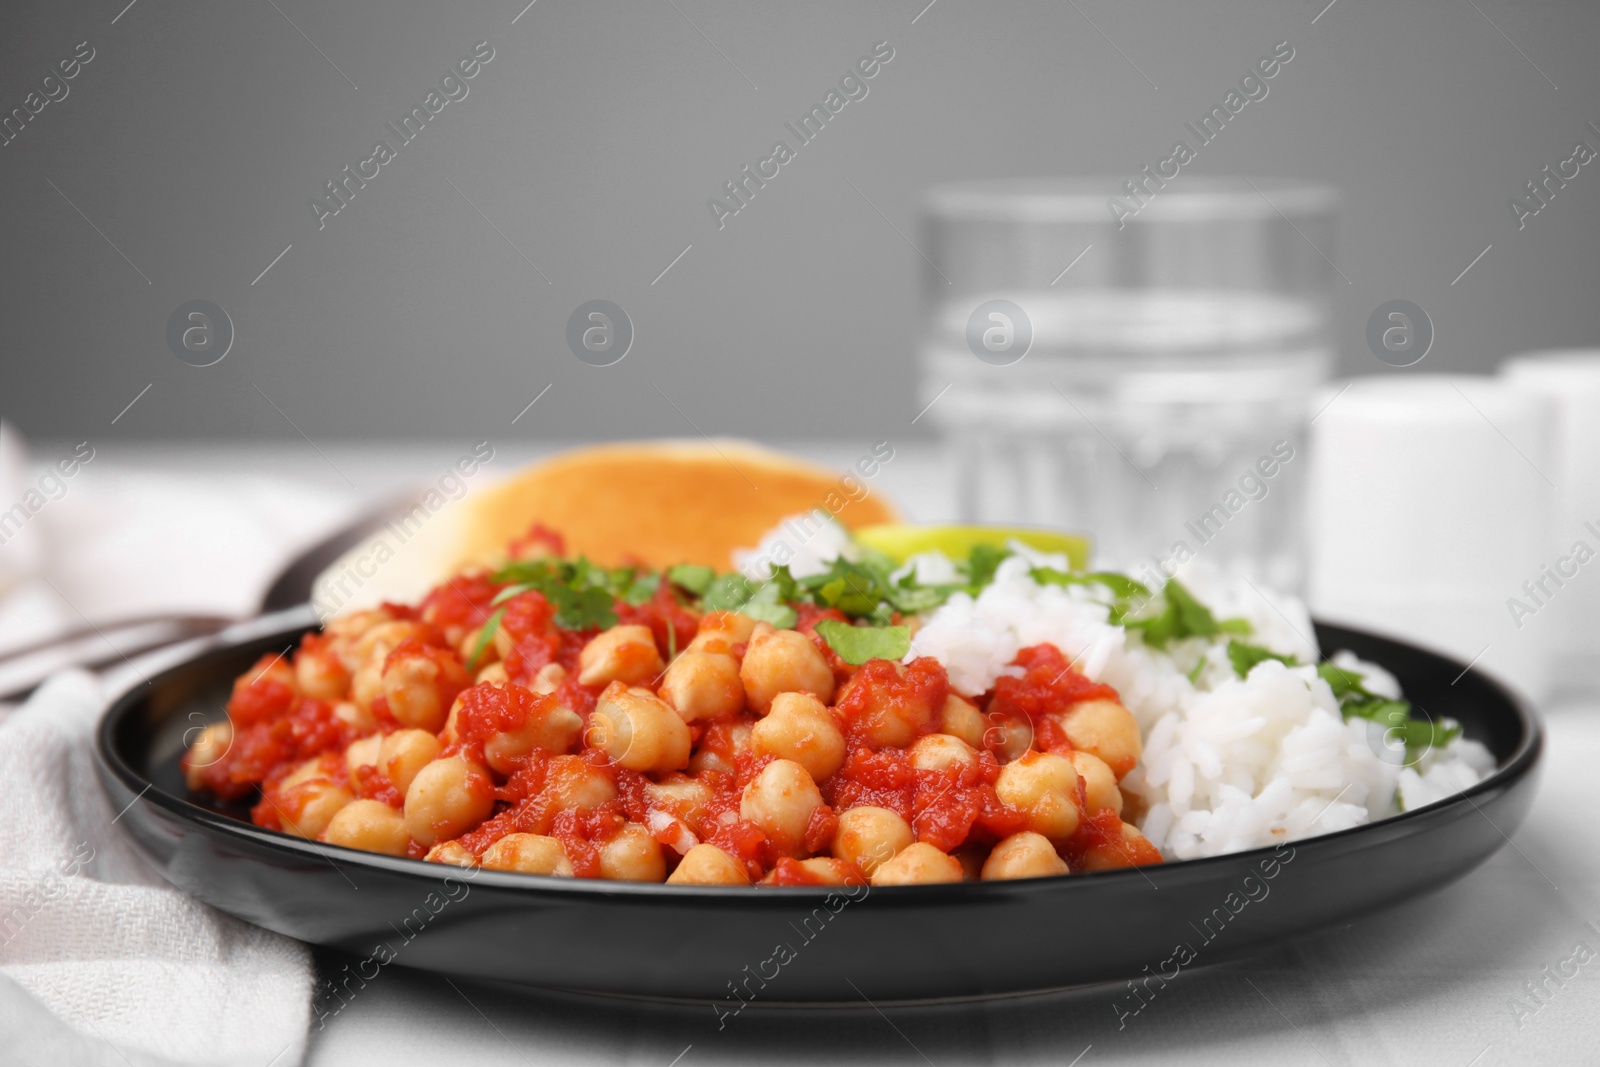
<point>556,717</point>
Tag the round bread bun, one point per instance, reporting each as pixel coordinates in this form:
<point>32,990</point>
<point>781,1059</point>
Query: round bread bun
<point>654,503</point>
<point>661,503</point>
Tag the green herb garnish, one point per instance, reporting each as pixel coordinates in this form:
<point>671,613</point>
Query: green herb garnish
<point>857,644</point>
<point>1121,585</point>
<point>1245,656</point>
<point>641,589</point>
<point>982,562</point>
<point>1181,616</point>
<point>1357,702</point>
<point>694,577</point>
<point>486,634</point>
<point>583,594</point>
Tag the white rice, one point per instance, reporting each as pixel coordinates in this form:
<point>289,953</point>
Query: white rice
<point>1229,763</point>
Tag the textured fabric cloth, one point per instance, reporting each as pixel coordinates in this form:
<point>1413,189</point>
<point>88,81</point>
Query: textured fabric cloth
<point>101,961</point>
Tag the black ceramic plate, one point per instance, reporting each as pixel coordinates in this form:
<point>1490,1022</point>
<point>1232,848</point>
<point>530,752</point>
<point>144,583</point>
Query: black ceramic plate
<point>725,945</point>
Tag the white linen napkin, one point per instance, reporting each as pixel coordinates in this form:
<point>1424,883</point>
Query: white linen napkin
<point>137,972</point>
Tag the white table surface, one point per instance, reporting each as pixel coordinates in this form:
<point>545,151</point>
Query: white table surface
<point>1430,981</point>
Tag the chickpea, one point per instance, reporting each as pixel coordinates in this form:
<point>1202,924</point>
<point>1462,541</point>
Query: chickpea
<point>938,752</point>
<point>451,852</point>
<point>682,797</point>
<point>825,869</point>
<point>703,685</point>
<point>886,706</point>
<point>1011,737</point>
<point>276,669</point>
<point>348,711</point>
<point>780,801</point>
<point>493,674</point>
<point>1102,857</point>
<point>918,864</point>
<point>573,785</point>
<point>447,798</point>
<point>419,690</point>
<point>211,745</point>
<point>1044,787</point>
<point>1023,855</point>
<point>551,727</point>
<point>306,809</point>
<point>355,624</point>
<point>370,825</point>
<point>377,642</point>
<point>366,685</point>
<point>320,674</point>
<point>960,718</point>
<point>527,854</point>
<point>832,871</point>
<point>450,732</point>
<point>548,727</point>
<point>783,661</point>
<point>708,865</point>
<point>721,630</point>
<point>870,837</point>
<point>404,753</point>
<point>1106,729</point>
<point>633,856</point>
<point>549,678</point>
<point>1099,784</point>
<point>710,760</point>
<point>345,632</point>
<point>625,654</point>
<point>800,728</point>
<point>638,730</point>
<point>304,772</point>
<point>362,753</point>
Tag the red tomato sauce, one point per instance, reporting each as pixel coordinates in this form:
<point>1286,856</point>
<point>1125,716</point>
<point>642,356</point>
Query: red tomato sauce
<point>1048,684</point>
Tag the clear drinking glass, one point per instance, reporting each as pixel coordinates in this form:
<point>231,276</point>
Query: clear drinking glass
<point>1142,374</point>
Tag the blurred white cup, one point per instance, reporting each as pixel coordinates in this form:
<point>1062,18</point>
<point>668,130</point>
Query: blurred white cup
<point>1430,505</point>
<point>1570,379</point>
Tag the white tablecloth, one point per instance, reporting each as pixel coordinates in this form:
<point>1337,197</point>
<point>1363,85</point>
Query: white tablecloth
<point>1448,979</point>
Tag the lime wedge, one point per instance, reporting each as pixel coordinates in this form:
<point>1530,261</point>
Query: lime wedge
<point>900,541</point>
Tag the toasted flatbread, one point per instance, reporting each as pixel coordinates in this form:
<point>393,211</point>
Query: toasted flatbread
<point>661,503</point>
<point>654,503</point>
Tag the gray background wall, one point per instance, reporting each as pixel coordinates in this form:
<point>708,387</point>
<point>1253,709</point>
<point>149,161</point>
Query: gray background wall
<point>592,141</point>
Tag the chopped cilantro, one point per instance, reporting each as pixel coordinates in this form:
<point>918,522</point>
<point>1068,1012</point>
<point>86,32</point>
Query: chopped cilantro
<point>486,634</point>
<point>582,593</point>
<point>863,588</point>
<point>641,589</point>
<point>857,644</point>
<point>982,562</point>
<point>766,605</point>
<point>1357,702</point>
<point>583,609</point>
<point>1121,585</point>
<point>765,601</point>
<point>1181,616</point>
<point>727,592</point>
<point>694,577</point>
<point>1244,656</point>
<point>1341,681</point>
